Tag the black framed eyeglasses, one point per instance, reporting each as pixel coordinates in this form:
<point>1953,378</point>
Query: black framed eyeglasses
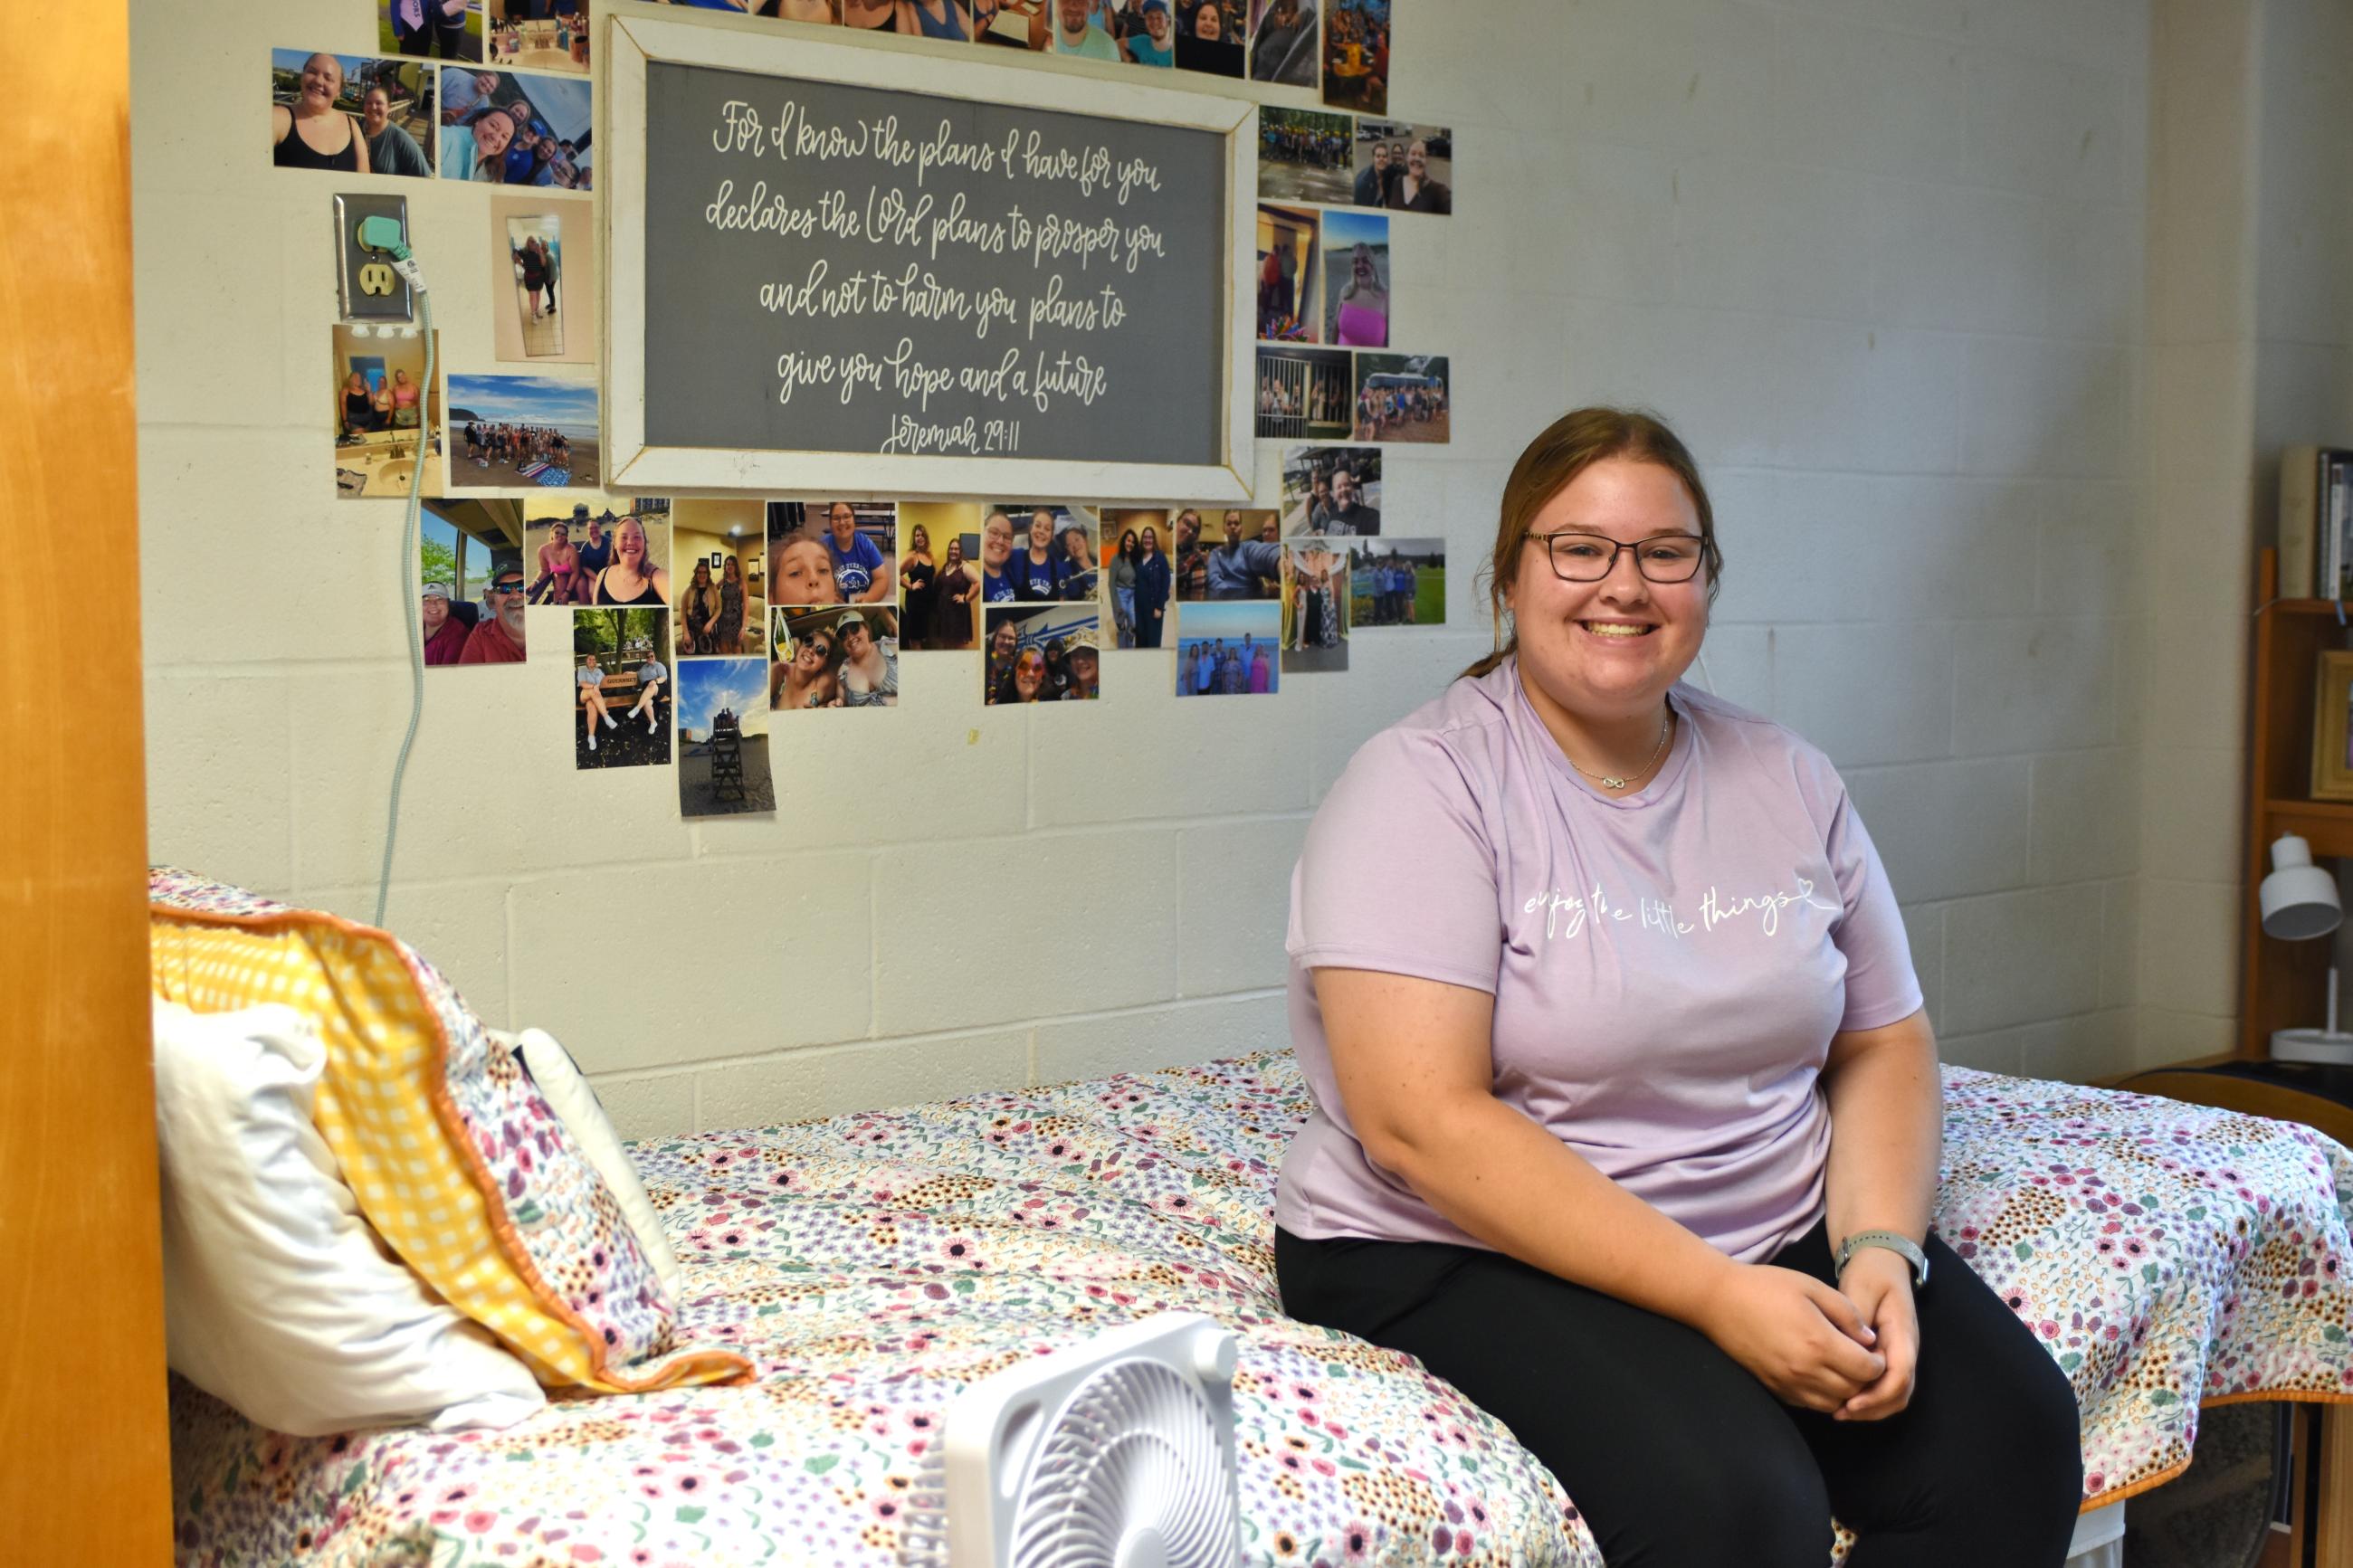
<point>1580,557</point>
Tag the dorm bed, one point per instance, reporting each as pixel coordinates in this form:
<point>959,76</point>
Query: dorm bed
<point>874,1264</point>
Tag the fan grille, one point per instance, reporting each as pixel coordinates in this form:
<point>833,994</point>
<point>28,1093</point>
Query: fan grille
<point>1134,1450</point>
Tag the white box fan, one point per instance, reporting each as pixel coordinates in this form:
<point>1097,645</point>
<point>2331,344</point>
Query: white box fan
<point>1117,1453</point>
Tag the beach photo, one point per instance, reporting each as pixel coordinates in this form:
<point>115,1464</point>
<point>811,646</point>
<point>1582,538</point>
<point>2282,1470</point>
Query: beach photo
<point>621,689</point>
<point>444,30</point>
<point>538,35</point>
<point>1227,552</point>
<point>1355,303</point>
<point>830,552</point>
<point>1331,490</point>
<point>1142,586</point>
<point>1288,256</point>
<point>520,432</point>
<point>1402,397</point>
<point>1315,606</point>
<point>834,657</point>
<point>719,588</point>
<point>350,114</point>
<point>1304,394</point>
<point>1356,54</point>
<point>1397,583</point>
<point>383,411</point>
<point>939,574</point>
<point>1404,168</point>
<point>1304,155</point>
<point>1228,649</point>
<point>1043,654</point>
<point>1282,42</point>
<point>499,129</point>
<point>543,257</point>
<point>595,549</point>
<point>723,738</point>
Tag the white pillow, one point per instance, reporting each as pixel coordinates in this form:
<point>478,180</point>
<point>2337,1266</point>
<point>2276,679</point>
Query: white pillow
<point>276,1295</point>
<point>575,1104</point>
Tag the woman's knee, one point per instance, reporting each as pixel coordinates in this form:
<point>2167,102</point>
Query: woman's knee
<point>1760,1506</point>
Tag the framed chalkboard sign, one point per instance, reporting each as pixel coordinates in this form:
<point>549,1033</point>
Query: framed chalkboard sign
<point>893,268</point>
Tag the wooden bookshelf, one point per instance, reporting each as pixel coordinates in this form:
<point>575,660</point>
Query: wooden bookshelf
<point>2284,985</point>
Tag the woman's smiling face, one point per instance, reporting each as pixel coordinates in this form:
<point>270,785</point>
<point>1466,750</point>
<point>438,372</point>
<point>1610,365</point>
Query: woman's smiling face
<point>1610,647</point>
<point>323,80</point>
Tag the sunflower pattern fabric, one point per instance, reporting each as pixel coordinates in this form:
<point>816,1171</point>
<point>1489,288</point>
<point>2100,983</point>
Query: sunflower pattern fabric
<point>457,1160</point>
<point>874,1264</point>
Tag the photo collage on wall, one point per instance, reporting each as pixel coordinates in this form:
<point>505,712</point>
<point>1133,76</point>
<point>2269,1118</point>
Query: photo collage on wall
<point>683,609</point>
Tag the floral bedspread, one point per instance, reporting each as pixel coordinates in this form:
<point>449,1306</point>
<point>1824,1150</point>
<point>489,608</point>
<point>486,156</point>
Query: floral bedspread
<point>875,1264</point>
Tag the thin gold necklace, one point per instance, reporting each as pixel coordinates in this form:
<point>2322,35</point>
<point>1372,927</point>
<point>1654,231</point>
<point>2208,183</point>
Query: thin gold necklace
<point>1609,781</point>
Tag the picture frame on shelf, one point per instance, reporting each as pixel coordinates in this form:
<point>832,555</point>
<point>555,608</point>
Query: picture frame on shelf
<point>2332,727</point>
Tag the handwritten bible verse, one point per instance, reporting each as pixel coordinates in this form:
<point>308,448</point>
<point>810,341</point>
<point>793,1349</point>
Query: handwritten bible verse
<point>988,272</point>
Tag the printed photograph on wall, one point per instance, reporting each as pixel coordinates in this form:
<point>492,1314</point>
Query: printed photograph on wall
<point>1042,653</point>
<point>1302,155</point>
<point>461,546</point>
<point>1229,649</point>
<point>538,35</point>
<point>1233,555</point>
<point>723,738</point>
<point>1402,397</point>
<point>1282,42</point>
<point>1405,168</point>
<point>1302,393</point>
<point>939,574</point>
<point>1315,604</point>
<point>835,656</point>
<point>1331,490</point>
<point>1287,255</point>
<point>720,589</point>
<point>1209,36</point>
<point>350,114</point>
<point>520,432</point>
<point>1051,554</point>
<point>621,686</point>
<point>445,29</point>
<point>499,129</point>
<point>497,637</point>
<point>1086,28</point>
<point>1014,23</point>
<point>1397,583</point>
<point>597,549</point>
<point>1356,54</point>
<point>833,553</point>
<point>1141,584</point>
<point>1355,295</point>
<point>384,413</point>
<point>543,257</point>
<point>947,20</point>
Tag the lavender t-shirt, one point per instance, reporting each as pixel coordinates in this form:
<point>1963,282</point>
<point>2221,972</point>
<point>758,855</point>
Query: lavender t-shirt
<point>1668,966</point>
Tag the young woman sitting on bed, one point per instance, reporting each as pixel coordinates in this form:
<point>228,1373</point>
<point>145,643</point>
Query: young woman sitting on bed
<point>1610,1045</point>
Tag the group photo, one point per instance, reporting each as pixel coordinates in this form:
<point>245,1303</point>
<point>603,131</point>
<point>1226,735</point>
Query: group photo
<point>1304,394</point>
<point>1315,606</point>
<point>621,686</point>
<point>723,738</point>
<point>584,552</point>
<point>1228,649</point>
<point>349,114</point>
<point>501,129</point>
<point>1405,168</point>
<point>1304,155</point>
<point>1038,552</point>
<point>835,657</point>
<point>384,413</point>
<point>1402,397</point>
<point>1397,583</point>
<point>1142,580</point>
<point>1048,654</point>
<point>520,432</point>
<point>720,591</point>
<point>539,35</point>
<point>1331,490</point>
<point>832,552</point>
<point>939,577</point>
<point>1234,555</point>
<point>1356,54</point>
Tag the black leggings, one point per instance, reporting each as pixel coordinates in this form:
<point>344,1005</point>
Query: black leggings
<point>1677,1457</point>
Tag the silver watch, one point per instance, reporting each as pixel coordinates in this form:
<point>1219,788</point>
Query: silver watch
<point>1893,1242</point>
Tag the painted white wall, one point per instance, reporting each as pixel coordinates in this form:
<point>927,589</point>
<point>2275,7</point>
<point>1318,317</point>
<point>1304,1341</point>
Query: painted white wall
<point>1882,263</point>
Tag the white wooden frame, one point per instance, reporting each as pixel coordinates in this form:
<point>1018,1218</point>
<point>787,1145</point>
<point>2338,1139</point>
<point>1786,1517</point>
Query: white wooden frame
<point>632,34</point>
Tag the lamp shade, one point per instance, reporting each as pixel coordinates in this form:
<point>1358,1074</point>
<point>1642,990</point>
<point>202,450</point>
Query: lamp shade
<point>2298,899</point>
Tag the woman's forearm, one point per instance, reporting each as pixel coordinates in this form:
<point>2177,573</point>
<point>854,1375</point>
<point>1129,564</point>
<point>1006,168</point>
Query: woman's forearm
<point>1887,1106</point>
<point>1496,1173</point>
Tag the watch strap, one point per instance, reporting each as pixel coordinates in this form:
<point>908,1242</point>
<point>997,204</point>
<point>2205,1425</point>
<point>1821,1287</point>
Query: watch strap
<point>1894,1241</point>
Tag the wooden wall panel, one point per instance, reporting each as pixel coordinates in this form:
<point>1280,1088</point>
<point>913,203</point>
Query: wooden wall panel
<point>84,1463</point>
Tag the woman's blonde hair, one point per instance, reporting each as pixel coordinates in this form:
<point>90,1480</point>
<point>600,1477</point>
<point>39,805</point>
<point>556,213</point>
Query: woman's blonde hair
<point>1565,448</point>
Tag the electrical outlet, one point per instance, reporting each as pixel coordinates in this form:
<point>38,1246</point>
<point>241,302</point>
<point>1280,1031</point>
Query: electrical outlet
<point>366,286</point>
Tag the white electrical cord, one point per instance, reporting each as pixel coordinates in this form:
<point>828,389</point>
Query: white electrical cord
<point>412,527</point>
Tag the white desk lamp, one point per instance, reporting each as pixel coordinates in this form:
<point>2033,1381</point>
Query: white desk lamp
<point>2299,902</point>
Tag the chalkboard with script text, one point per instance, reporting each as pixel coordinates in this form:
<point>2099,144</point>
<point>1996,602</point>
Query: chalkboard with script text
<point>849,269</point>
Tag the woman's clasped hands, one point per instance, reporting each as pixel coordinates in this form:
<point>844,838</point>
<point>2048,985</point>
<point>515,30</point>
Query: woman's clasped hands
<point>1848,1353</point>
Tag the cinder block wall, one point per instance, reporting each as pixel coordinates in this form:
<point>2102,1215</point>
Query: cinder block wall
<point>1882,263</point>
